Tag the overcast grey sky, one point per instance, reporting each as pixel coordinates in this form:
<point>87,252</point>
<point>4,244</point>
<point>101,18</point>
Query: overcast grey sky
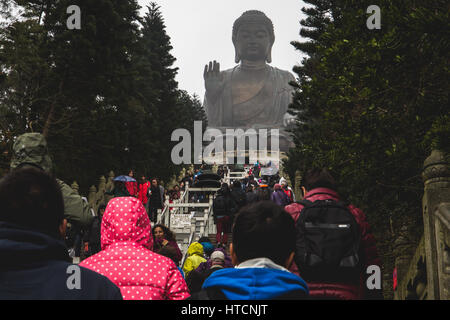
<point>200,31</point>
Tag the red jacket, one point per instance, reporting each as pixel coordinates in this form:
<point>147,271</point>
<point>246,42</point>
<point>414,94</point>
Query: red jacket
<point>126,257</point>
<point>368,253</point>
<point>143,189</point>
<point>132,188</point>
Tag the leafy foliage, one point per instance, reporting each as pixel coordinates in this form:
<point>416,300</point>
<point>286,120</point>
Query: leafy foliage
<point>373,103</point>
<point>105,96</point>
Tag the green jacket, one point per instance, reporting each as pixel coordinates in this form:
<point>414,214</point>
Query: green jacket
<point>31,149</point>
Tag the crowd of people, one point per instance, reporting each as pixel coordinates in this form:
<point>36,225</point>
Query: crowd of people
<point>319,247</point>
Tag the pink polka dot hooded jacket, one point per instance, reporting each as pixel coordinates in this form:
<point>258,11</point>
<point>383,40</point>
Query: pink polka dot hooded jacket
<point>126,257</point>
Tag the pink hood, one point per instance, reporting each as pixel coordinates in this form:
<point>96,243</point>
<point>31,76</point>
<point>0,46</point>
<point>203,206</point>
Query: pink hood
<point>125,220</point>
<point>126,257</point>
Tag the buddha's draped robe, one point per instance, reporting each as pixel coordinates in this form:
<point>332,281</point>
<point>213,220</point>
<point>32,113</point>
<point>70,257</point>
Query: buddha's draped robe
<point>265,109</point>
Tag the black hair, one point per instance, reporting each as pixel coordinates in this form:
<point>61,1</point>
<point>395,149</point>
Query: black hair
<point>319,178</point>
<point>236,184</point>
<point>224,189</point>
<point>168,234</point>
<point>32,199</point>
<point>204,239</point>
<point>169,252</point>
<point>264,229</point>
<point>263,193</point>
<point>101,207</point>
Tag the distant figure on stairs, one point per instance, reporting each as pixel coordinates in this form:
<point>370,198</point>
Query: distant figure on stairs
<point>224,208</point>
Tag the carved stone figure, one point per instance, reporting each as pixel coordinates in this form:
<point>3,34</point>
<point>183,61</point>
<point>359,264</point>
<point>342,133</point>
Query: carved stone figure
<point>253,94</point>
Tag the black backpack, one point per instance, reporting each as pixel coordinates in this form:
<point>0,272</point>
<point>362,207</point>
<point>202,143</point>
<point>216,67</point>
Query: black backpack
<point>239,198</point>
<point>220,207</point>
<point>327,243</point>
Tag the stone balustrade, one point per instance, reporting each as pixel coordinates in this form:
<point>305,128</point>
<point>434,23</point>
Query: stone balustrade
<point>428,274</point>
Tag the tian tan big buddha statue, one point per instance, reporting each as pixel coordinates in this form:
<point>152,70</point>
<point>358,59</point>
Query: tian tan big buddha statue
<point>253,94</point>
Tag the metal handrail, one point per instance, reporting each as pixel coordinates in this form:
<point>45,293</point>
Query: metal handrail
<point>191,237</point>
<point>203,228</point>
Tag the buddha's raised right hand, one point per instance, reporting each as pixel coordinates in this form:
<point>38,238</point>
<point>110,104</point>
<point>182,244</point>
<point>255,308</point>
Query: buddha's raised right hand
<point>214,80</point>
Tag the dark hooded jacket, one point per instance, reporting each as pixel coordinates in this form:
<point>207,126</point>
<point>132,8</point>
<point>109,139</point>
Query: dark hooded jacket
<point>34,265</point>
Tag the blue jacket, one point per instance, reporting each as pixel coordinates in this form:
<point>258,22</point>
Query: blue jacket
<point>34,265</point>
<point>267,282</point>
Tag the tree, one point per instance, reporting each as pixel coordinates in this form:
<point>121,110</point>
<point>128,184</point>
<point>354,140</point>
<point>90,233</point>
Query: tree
<point>370,102</point>
<point>172,108</point>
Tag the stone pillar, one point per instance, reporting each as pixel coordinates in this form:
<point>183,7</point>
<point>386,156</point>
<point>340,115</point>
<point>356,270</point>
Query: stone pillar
<point>92,196</point>
<point>298,191</point>
<point>109,186</point>
<point>75,186</point>
<point>436,177</point>
<point>102,184</point>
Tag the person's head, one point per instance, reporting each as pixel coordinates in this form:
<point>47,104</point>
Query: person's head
<point>119,184</point>
<point>217,259</point>
<point>283,182</point>
<point>263,229</point>
<point>176,188</point>
<point>208,247</point>
<point>161,232</point>
<point>263,192</point>
<point>253,37</point>
<point>125,220</point>
<point>236,184</point>
<point>32,199</point>
<point>154,182</point>
<point>143,179</point>
<point>277,187</point>
<point>31,149</point>
<point>169,252</point>
<point>224,189</point>
<point>318,178</point>
<point>204,239</point>
<point>131,173</point>
<point>195,249</point>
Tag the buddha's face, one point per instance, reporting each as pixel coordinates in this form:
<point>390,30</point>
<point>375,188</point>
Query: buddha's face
<point>253,42</point>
